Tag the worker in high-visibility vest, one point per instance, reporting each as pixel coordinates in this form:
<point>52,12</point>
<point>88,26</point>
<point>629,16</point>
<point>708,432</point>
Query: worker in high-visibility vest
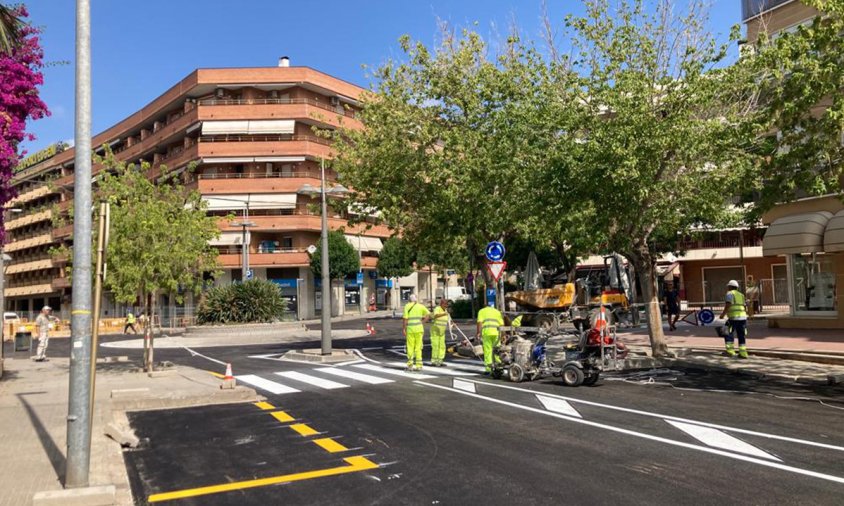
<point>735,310</point>
<point>489,319</point>
<point>415,315</point>
<point>130,323</point>
<point>439,323</point>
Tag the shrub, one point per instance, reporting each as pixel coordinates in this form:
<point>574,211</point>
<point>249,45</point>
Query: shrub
<point>255,301</point>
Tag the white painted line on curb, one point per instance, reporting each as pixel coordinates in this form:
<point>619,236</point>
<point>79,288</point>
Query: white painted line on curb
<point>345,373</point>
<point>557,405</point>
<point>466,386</point>
<point>264,384</point>
<point>312,380</point>
<point>394,372</point>
<point>705,449</point>
<point>719,439</point>
<point>442,371</point>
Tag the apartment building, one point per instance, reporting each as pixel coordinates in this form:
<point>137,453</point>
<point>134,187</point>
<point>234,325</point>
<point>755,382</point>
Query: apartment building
<point>806,236</point>
<point>251,133</point>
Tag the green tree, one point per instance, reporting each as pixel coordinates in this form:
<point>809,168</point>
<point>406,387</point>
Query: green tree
<point>660,131</point>
<point>343,258</point>
<point>396,259</point>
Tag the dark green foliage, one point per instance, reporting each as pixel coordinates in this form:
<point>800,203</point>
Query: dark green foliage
<point>396,259</point>
<point>343,259</point>
<point>255,301</point>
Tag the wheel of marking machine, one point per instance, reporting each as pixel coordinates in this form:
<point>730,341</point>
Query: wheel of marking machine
<point>545,322</point>
<point>572,376</point>
<point>517,374</point>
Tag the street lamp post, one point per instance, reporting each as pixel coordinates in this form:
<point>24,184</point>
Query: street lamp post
<point>245,223</point>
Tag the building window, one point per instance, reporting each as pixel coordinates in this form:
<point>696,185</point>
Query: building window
<point>813,283</point>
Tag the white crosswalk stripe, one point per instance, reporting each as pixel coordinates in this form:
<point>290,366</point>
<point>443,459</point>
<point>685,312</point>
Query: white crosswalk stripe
<point>442,371</point>
<point>264,384</point>
<point>557,406</point>
<point>312,380</point>
<point>720,439</point>
<point>345,373</point>
<point>394,372</point>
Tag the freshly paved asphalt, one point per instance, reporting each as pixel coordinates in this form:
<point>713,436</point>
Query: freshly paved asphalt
<point>473,440</point>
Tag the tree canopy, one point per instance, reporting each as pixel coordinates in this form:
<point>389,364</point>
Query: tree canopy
<point>396,259</point>
<point>343,259</point>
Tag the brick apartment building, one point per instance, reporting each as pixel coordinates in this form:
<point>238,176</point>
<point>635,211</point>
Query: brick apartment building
<point>250,130</point>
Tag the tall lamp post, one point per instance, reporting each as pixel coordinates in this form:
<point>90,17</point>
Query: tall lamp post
<point>339,191</point>
<point>244,259</point>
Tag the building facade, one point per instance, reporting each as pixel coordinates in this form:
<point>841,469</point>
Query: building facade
<point>250,132</point>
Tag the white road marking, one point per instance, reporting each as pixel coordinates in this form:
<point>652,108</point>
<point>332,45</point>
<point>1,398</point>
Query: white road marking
<point>394,372</point>
<point>197,354</point>
<point>350,362</point>
<point>464,385</point>
<point>345,373</point>
<point>705,449</point>
<point>718,439</point>
<point>312,380</point>
<point>443,371</point>
<point>676,418</point>
<point>271,356</point>
<point>557,405</point>
<point>264,384</point>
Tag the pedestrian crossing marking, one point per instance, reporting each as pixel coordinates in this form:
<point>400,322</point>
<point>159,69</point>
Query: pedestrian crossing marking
<point>303,429</point>
<point>557,406</point>
<point>395,372</point>
<point>722,440</point>
<point>329,445</point>
<point>312,380</point>
<point>282,417</point>
<point>264,384</point>
<point>264,405</point>
<point>345,373</point>
<point>466,386</point>
<point>440,371</point>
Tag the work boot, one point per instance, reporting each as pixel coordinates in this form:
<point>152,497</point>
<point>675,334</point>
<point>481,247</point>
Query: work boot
<point>730,350</point>
<point>743,352</point>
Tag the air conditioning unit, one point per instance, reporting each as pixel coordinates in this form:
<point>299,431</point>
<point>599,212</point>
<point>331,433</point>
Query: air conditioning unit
<point>220,92</point>
<point>334,100</point>
<point>273,93</point>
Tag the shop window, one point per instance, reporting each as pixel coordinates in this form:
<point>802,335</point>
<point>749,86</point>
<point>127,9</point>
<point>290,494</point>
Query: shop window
<point>813,283</point>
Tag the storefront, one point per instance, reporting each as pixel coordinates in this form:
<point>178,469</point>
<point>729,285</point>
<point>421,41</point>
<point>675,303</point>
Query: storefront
<point>290,293</point>
<point>809,236</point>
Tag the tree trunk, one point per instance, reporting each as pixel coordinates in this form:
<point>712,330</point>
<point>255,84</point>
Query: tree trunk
<point>147,334</point>
<point>643,262</point>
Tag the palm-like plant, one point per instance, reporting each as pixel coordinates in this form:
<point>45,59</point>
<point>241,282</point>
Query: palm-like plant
<point>10,29</point>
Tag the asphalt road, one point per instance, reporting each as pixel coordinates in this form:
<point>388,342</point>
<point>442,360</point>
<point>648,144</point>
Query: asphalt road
<point>363,433</point>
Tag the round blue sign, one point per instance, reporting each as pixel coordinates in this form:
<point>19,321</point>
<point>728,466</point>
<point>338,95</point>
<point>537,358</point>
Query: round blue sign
<point>495,251</point>
<point>706,316</point>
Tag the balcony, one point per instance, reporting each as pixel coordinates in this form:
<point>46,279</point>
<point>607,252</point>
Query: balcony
<point>303,110</point>
<point>336,110</point>
<point>161,136</point>
<point>36,288</point>
<point>293,258</point>
<point>59,284</point>
<point>38,216</point>
<point>752,8</point>
<point>31,242</point>
<point>264,145</point>
<point>251,183</point>
<point>30,195</point>
<point>63,232</point>
<point>36,265</point>
<point>305,223</point>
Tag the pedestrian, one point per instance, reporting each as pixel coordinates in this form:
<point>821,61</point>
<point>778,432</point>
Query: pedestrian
<point>489,319</point>
<point>415,315</point>
<point>44,322</point>
<point>735,311</point>
<point>672,304</point>
<point>130,323</point>
<point>439,324</point>
<point>752,290</point>
<point>372,307</point>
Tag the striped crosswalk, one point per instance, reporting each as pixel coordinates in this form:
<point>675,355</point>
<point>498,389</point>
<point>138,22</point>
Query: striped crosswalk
<point>346,376</point>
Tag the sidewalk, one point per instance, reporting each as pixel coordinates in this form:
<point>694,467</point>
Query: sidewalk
<point>33,411</point>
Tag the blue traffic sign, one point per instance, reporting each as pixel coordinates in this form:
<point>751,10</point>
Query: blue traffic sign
<point>490,296</point>
<point>250,274</point>
<point>495,251</point>
<point>706,316</point>
<point>360,278</point>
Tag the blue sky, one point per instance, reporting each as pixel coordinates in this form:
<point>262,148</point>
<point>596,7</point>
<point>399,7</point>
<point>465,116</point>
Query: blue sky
<point>141,48</point>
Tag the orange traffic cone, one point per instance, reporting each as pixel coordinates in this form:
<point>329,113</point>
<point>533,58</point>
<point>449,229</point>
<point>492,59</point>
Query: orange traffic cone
<point>228,380</point>
<point>370,329</point>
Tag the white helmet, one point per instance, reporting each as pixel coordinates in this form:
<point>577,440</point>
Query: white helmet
<point>412,297</point>
<point>733,284</point>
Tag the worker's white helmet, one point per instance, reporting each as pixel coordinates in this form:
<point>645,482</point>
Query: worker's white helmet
<point>733,284</point>
<point>412,297</point>
<point>46,308</point>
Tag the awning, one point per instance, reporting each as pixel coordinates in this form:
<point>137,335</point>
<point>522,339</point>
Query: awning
<point>363,243</point>
<point>237,202</point>
<point>250,159</point>
<point>800,233</point>
<point>250,127</point>
<point>227,239</point>
<point>833,239</point>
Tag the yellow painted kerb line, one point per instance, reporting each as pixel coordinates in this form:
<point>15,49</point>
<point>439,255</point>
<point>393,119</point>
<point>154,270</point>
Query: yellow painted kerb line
<point>355,464</point>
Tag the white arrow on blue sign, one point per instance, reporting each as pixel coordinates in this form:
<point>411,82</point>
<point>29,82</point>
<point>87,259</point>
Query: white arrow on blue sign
<point>495,251</point>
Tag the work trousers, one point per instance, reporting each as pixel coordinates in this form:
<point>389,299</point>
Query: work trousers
<point>414,348</point>
<point>437,343</point>
<point>489,343</point>
<point>43,342</point>
<point>129,326</point>
<point>739,330</point>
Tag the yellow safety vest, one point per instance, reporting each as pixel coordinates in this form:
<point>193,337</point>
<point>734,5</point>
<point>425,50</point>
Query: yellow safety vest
<point>737,308</point>
<point>414,313</point>
<point>130,318</point>
<point>490,319</point>
<point>517,321</point>
<point>442,321</point>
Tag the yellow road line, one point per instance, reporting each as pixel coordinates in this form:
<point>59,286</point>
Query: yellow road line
<point>264,405</point>
<point>282,417</point>
<point>303,429</point>
<point>218,375</point>
<point>330,445</point>
<point>355,464</point>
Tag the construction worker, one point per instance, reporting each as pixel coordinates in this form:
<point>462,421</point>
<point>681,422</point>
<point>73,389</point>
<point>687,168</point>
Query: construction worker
<point>735,310</point>
<point>489,319</point>
<point>439,324</point>
<point>415,315</point>
<point>130,323</point>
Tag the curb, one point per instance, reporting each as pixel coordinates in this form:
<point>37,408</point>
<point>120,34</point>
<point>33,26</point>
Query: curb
<point>830,379</point>
<point>139,400</point>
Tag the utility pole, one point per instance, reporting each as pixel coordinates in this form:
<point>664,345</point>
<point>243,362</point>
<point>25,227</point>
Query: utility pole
<point>78,424</point>
<point>102,244</point>
<point>326,278</point>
